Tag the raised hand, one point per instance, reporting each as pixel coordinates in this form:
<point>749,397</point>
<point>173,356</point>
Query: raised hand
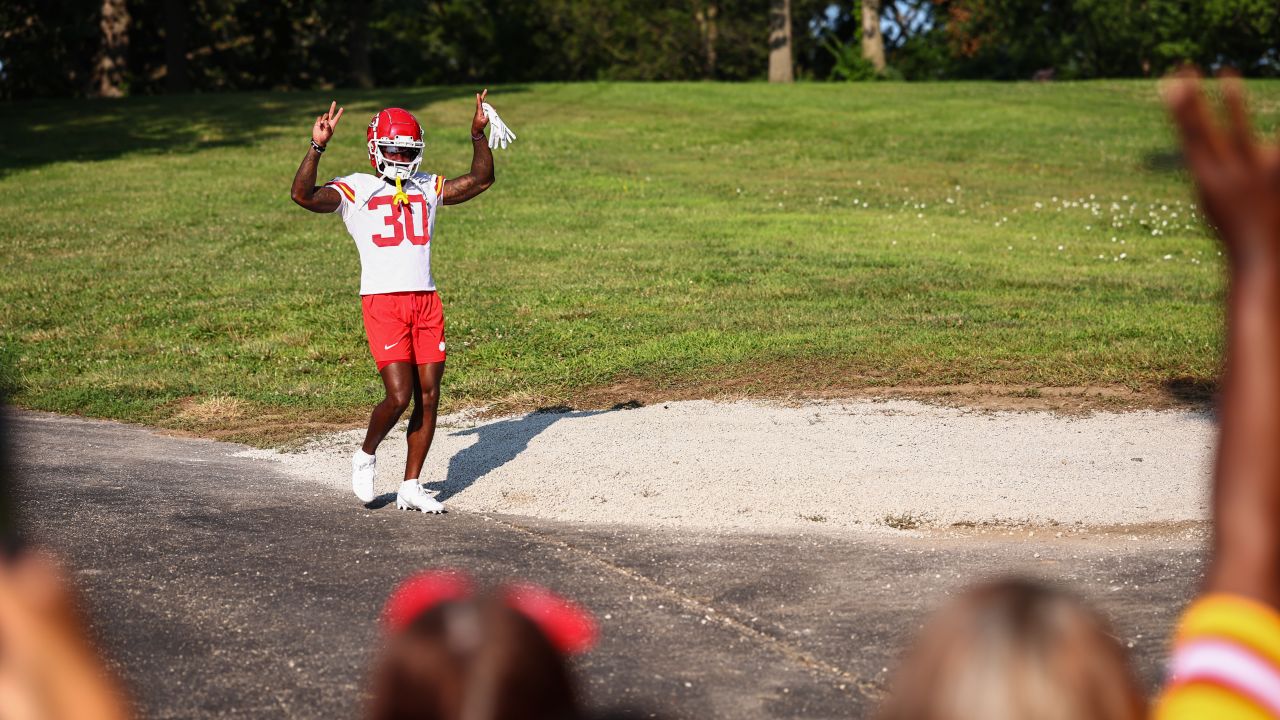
<point>480,120</point>
<point>1238,178</point>
<point>326,123</point>
<point>304,191</point>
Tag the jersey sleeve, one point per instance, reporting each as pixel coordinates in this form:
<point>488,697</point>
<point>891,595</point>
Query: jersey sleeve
<point>345,190</point>
<point>432,187</point>
<point>1226,662</point>
<point>437,186</point>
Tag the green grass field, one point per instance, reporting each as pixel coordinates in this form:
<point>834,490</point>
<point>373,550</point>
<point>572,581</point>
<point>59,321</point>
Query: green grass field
<point>818,237</point>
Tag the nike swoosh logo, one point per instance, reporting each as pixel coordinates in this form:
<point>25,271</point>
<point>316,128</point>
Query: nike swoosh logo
<point>388,347</point>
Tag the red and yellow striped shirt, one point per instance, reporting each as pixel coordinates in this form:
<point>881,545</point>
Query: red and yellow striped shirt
<point>1226,662</point>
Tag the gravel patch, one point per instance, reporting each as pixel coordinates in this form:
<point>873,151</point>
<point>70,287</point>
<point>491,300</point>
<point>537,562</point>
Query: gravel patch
<point>838,465</point>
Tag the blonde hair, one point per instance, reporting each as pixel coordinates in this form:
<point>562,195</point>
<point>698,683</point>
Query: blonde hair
<point>1015,650</point>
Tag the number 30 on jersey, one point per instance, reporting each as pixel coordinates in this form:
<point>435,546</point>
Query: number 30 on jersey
<point>403,221</point>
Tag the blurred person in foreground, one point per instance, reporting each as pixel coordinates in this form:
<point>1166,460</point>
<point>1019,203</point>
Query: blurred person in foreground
<point>1016,650</point>
<point>453,654</point>
<point>49,668</point>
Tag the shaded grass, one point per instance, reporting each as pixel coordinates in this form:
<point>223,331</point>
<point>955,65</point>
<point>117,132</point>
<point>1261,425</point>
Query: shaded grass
<point>668,234</point>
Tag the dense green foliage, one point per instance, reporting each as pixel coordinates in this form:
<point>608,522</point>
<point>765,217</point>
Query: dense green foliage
<point>1110,38</point>
<point>805,237</point>
<point>48,46</point>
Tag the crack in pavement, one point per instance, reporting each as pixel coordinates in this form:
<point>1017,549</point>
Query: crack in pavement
<point>843,678</point>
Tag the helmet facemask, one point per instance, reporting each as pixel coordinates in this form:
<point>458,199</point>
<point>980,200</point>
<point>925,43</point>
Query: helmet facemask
<point>396,169</point>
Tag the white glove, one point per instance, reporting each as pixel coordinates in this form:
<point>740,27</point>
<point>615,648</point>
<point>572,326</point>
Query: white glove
<point>499,133</point>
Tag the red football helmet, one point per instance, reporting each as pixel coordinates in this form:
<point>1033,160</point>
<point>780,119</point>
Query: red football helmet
<point>395,131</point>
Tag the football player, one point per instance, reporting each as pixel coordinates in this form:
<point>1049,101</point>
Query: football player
<point>391,215</point>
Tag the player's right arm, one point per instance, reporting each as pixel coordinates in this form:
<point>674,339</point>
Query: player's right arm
<point>305,192</point>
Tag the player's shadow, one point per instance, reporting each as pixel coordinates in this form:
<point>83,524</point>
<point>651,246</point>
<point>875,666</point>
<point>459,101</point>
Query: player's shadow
<point>498,443</point>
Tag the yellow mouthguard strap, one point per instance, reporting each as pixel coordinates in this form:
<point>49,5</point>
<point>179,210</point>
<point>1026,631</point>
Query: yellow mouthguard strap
<point>401,197</point>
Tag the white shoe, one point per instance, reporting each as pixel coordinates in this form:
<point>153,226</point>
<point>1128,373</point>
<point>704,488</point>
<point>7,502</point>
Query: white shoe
<point>411,496</point>
<point>364,468</point>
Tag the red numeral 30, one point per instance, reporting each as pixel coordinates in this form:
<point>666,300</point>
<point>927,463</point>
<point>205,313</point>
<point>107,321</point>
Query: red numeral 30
<point>400,218</point>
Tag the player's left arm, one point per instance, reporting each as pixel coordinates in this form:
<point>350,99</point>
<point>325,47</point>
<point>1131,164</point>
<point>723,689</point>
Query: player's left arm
<point>463,188</point>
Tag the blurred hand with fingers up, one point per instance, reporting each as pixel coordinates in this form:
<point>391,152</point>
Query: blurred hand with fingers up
<point>1238,178</point>
<point>1217,668</point>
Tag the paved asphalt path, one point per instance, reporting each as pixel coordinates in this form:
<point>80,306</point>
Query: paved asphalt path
<point>223,588</point>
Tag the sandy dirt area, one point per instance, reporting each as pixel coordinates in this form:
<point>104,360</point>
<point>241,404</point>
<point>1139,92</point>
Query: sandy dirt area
<point>837,465</point>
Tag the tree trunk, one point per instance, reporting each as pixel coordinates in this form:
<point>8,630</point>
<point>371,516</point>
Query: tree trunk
<point>358,46</point>
<point>780,69</point>
<point>109,68</point>
<point>175,47</point>
<point>872,40</point>
<point>707,28</point>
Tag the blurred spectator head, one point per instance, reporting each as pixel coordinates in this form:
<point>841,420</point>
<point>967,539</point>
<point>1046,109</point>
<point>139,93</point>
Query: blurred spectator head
<point>455,655</point>
<point>1015,650</point>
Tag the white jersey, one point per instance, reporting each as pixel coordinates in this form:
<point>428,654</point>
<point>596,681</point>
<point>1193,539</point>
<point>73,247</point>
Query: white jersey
<point>394,239</point>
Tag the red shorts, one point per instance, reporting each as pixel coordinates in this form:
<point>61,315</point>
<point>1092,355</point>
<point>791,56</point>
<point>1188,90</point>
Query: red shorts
<point>404,327</point>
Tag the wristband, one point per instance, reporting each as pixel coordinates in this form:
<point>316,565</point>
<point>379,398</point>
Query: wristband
<point>477,137</point>
<point>317,147</point>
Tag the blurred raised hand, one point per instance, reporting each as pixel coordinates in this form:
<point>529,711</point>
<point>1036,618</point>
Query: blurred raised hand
<point>1237,177</point>
<point>1238,180</point>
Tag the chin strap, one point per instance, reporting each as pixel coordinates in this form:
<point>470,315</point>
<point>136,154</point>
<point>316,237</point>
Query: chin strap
<point>400,197</point>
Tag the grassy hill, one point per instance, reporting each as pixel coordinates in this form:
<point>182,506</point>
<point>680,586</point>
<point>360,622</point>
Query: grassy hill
<point>649,238</point>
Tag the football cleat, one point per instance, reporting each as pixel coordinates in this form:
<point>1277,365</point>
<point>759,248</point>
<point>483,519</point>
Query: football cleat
<point>397,132</point>
<point>412,496</point>
<point>364,469</point>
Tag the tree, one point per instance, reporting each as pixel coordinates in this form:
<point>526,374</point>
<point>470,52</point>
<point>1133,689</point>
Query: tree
<point>51,48</point>
<point>108,79</point>
<point>358,45</point>
<point>780,66</point>
<point>705,14</point>
<point>176,79</point>
<point>1009,39</point>
<point>872,40</point>
<point>47,47</point>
